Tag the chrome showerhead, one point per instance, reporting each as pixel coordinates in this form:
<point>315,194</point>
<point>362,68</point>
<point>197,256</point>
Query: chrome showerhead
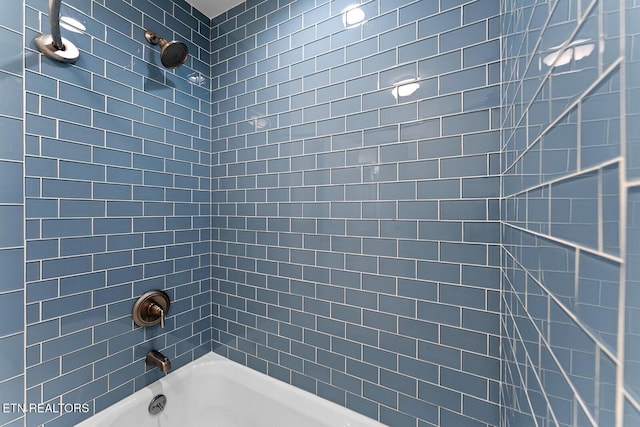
<point>173,54</point>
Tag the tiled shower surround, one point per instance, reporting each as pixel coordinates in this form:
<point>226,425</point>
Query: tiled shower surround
<point>356,235</point>
<point>462,255</point>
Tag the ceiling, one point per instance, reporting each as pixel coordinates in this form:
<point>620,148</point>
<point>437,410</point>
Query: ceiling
<point>213,8</point>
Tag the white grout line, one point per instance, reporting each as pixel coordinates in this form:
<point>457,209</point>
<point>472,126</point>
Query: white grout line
<point>622,228</point>
<point>601,32</point>
<point>600,212</point>
<point>632,400</point>
<point>550,196</point>
<point>579,138</point>
<point>576,277</point>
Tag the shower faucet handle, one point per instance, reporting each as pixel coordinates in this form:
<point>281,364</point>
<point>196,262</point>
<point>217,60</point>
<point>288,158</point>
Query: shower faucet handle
<point>157,311</point>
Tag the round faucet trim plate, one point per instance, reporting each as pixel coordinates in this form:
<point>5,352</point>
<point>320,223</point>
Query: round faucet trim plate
<point>151,308</point>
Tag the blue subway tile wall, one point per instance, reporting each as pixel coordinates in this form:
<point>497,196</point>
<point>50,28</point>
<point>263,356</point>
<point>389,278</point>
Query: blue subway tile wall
<point>356,203</point>
<point>12,294</point>
<point>117,193</point>
<point>568,223</point>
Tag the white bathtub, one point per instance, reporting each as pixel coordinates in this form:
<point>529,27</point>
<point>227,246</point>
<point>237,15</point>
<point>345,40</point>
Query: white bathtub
<point>214,391</point>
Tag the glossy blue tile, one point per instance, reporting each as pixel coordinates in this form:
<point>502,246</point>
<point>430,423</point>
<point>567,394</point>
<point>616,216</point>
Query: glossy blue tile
<point>11,172</point>
<point>480,187</point>
<point>418,50</point>
<point>464,166</point>
<point>462,80</point>
<point>463,36</point>
<point>465,123</point>
<point>481,53</point>
<point>12,313</point>
<point>480,10</point>
<point>65,305</point>
<point>361,49</point>
<point>420,130</point>
<point>12,233</point>
<point>481,321</point>
<point>380,394</point>
<point>11,261</point>
<point>11,87</point>
<point>580,193</point>
<point>440,106</point>
<point>439,23</point>
<point>12,129</point>
<point>66,189</point>
<point>463,210</point>
<point>480,409</point>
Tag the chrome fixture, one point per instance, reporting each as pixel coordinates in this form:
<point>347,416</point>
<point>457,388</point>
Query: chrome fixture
<point>151,308</point>
<point>157,404</point>
<point>53,45</point>
<point>159,360</point>
<point>173,54</point>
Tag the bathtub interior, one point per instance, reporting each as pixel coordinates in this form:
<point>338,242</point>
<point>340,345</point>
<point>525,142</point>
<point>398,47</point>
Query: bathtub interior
<point>217,391</point>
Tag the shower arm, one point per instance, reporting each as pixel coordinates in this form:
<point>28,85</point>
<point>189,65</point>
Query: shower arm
<point>54,23</point>
<point>53,45</point>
